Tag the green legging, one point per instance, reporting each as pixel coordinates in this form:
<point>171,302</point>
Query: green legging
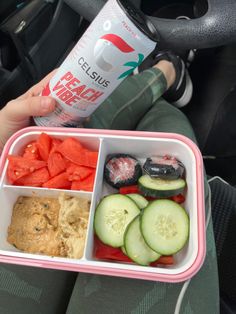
<point>136,104</point>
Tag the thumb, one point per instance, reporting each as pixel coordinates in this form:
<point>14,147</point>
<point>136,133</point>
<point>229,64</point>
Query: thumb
<point>33,106</point>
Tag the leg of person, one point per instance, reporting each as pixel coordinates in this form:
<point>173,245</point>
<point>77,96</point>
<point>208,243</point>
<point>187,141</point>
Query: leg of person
<point>163,117</point>
<point>135,95</point>
<point>130,101</point>
<point>27,290</point>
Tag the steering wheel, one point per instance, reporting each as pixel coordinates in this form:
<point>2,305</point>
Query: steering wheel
<point>217,27</point>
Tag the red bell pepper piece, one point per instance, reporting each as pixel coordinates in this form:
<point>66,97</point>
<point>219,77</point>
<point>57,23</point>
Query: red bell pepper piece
<point>103,251</point>
<point>129,189</point>
<point>163,260</point>
<point>178,198</point>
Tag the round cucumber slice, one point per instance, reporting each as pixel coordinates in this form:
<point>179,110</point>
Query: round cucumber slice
<point>123,250</point>
<point>140,200</point>
<point>112,215</point>
<point>165,226</point>
<point>157,187</point>
<point>135,246</point>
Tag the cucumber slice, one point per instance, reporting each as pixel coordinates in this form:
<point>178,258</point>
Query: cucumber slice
<point>112,215</point>
<point>157,187</point>
<point>140,200</point>
<point>123,250</point>
<point>135,246</point>
<point>165,226</point>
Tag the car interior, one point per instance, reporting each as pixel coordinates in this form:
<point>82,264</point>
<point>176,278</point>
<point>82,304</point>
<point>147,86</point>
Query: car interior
<point>36,36</point>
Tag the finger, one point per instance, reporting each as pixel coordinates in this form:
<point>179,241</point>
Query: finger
<point>33,106</point>
<point>38,88</point>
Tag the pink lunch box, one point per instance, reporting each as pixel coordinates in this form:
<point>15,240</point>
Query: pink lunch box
<point>139,144</point>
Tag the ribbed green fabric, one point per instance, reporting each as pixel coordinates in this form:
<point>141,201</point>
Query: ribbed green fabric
<point>129,102</point>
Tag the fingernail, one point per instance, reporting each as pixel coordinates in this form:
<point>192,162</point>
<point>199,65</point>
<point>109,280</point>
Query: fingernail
<point>46,103</point>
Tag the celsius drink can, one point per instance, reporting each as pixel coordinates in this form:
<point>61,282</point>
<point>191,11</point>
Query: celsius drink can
<point>115,43</point>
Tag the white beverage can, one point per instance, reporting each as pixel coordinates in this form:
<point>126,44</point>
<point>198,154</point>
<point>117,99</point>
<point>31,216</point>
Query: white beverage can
<point>115,43</point>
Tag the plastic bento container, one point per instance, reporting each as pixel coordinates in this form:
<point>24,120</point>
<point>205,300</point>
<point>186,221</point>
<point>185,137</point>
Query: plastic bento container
<point>139,144</point>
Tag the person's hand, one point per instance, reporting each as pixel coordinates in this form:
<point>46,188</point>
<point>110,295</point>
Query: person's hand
<point>17,113</point>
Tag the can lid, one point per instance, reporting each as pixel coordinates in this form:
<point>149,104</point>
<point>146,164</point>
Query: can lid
<point>139,19</point>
